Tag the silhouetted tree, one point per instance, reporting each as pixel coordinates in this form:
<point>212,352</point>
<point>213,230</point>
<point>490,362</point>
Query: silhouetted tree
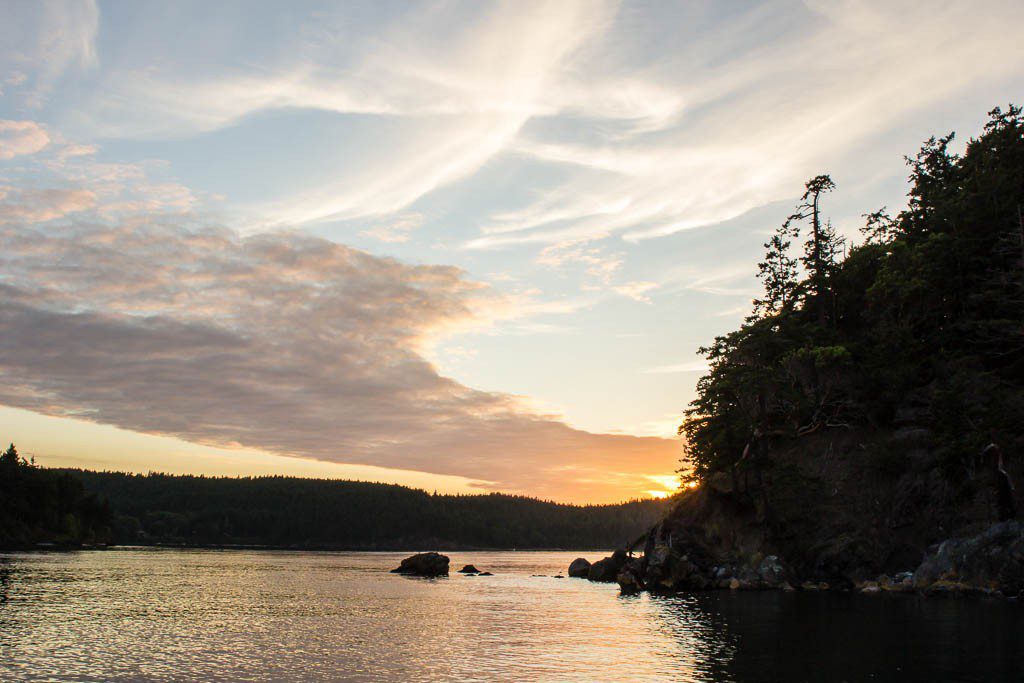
<point>778,274</point>
<point>822,245</point>
<point>930,309</point>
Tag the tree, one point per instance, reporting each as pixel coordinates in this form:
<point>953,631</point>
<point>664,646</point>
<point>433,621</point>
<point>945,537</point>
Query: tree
<point>778,274</point>
<point>10,457</point>
<point>822,245</point>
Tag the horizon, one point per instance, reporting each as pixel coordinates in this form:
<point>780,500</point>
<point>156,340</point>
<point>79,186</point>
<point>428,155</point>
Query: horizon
<point>242,477</point>
<point>367,244</point>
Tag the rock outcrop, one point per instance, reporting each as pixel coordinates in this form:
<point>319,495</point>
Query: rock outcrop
<point>607,570</point>
<point>579,568</point>
<point>991,562</point>
<point>424,564</point>
<point>469,569</point>
<point>854,509</point>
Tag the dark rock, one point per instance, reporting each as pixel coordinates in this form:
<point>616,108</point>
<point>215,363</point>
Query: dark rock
<point>579,568</point>
<point>721,482</point>
<point>485,574</point>
<point>607,570</point>
<point>658,568</point>
<point>772,573</point>
<point>559,576</point>
<point>469,569</point>
<point>424,564</point>
<point>991,562</point>
<point>629,578</point>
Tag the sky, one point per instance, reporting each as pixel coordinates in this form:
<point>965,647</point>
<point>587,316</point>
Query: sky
<point>467,247</point>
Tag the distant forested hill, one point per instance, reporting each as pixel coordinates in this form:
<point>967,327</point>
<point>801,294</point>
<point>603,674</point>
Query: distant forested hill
<point>319,513</point>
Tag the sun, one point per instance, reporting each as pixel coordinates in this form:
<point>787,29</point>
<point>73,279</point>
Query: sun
<point>669,484</point>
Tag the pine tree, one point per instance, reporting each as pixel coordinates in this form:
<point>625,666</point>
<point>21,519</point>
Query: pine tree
<point>10,457</point>
<point>822,245</point>
<point>778,274</point>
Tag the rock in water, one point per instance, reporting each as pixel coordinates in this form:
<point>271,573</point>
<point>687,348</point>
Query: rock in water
<point>424,564</point>
<point>607,570</point>
<point>469,569</point>
<point>579,568</point>
<point>630,578</point>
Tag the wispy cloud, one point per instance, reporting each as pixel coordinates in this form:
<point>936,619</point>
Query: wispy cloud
<point>40,41</point>
<point>691,366</point>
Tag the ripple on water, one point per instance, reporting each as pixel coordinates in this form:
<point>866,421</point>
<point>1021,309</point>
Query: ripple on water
<point>268,615</point>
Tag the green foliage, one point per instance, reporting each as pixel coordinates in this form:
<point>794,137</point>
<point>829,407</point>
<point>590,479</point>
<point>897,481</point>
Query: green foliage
<point>929,308</point>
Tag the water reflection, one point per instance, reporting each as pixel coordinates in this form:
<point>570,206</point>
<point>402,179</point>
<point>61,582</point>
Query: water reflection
<point>208,615</point>
<point>774,636</point>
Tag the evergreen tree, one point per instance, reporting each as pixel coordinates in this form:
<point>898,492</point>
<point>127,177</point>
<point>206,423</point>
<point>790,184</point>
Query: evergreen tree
<point>778,274</point>
<point>10,457</point>
<point>822,245</point>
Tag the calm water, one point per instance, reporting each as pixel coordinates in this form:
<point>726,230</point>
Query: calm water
<point>269,616</point>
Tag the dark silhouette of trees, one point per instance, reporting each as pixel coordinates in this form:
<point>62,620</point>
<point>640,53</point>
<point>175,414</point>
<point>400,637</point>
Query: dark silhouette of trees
<point>47,506</point>
<point>321,513</point>
<point>926,316</point>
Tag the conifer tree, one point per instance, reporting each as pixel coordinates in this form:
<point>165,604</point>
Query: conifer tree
<point>778,274</point>
<point>822,245</point>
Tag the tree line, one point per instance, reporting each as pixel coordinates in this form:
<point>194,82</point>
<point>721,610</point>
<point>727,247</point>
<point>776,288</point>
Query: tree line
<point>133,509</point>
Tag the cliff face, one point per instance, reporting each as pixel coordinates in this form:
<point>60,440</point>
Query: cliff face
<point>844,508</point>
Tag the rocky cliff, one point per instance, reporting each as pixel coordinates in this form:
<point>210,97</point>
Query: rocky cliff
<point>843,509</point>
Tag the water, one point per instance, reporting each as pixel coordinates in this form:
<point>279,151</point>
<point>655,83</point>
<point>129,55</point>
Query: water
<point>146,614</point>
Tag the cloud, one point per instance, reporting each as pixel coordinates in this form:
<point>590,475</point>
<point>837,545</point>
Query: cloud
<point>438,80</point>
<point>398,229</point>
<point>21,137</point>
<point>291,344</point>
<point>692,366</point>
<point>40,205</point>
<point>770,99</point>
<point>40,41</point>
<point>636,290</point>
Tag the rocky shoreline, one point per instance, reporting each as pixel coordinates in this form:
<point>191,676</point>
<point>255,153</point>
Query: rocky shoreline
<point>990,564</point>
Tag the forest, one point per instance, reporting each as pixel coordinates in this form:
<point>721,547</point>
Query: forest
<point>73,506</point>
<point>920,323</point>
<point>39,505</point>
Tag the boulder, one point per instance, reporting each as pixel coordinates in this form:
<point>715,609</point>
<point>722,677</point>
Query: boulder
<point>629,578</point>
<point>424,564</point>
<point>607,570</point>
<point>485,574</point>
<point>469,569</point>
<point>579,568</point>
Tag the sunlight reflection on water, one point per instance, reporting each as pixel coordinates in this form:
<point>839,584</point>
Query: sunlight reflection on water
<point>267,615</point>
